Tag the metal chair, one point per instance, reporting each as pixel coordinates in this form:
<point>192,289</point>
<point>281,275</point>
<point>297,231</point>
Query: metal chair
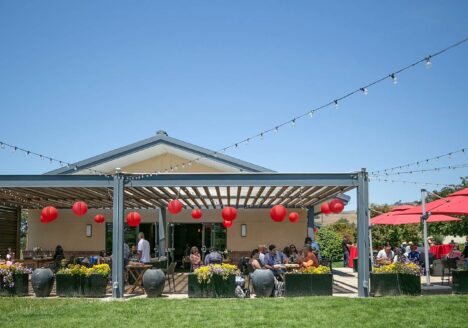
<point>170,275</point>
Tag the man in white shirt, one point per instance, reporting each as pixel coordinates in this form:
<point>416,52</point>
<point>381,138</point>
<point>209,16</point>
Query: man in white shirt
<point>143,249</point>
<point>385,256</point>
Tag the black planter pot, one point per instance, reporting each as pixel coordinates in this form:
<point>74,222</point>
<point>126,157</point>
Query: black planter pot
<point>460,282</point>
<point>94,285</point>
<point>217,288</point>
<point>263,282</point>
<point>68,285</point>
<point>42,281</point>
<point>20,288</point>
<point>395,284</point>
<point>153,282</point>
<point>297,284</point>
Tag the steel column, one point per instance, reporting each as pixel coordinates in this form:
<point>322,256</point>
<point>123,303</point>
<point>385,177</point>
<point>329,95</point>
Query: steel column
<point>162,247</point>
<point>310,222</point>
<point>363,233</point>
<point>118,283</point>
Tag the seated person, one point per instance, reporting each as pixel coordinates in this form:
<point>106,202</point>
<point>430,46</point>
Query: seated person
<point>214,257</point>
<point>308,241</point>
<point>308,258</point>
<point>385,256</point>
<point>255,260</point>
<point>294,254</point>
<point>414,256</point>
<point>195,258</point>
<point>455,253</point>
<point>272,258</point>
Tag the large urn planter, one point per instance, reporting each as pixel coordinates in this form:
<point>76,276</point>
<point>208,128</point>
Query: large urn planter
<point>297,284</point>
<point>153,282</point>
<point>395,284</point>
<point>42,281</point>
<point>217,288</point>
<point>263,282</point>
<point>68,285</point>
<point>20,287</point>
<point>94,285</point>
<point>460,282</point>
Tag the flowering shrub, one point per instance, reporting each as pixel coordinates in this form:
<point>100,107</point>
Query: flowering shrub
<point>205,273</point>
<point>321,269</point>
<point>8,271</point>
<point>399,267</point>
<point>101,269</point>
<point>81,270</point>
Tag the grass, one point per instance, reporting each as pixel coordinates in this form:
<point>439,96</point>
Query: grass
<point>433,311</point>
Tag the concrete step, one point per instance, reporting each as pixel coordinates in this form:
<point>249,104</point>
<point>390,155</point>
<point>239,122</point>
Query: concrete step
<point>436,290</point>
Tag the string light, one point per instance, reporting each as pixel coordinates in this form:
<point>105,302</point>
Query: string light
<point>337,106</point>
<point>450,167</point>
<point>427,160</point>
<point>428,62</point>
<point>293,122</point>
<point>365,91</point>
<point>311,114</point>
<point>394,78</point>
<point>412,182</point>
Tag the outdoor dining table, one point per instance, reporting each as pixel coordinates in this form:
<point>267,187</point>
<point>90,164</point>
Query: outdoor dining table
<point>35,263</point>
<point>441,250</point>
<point>137,272</point>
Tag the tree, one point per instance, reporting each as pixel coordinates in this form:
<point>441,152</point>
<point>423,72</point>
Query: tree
<point>330,243</point>
<point>344,227</point>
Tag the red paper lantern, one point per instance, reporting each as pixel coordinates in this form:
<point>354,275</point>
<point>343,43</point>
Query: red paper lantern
<point>229,213</point>
<point>278,213</point>
<point>174,206</point>
<point>99,218</point>
<point>133,219</point>
<point>325,208</point>
<point>227,223</point>
<point>80,208</point>
<point>196,214</point>
<point>336,206</point>
<point>48,214</point>
<point>293,217</point>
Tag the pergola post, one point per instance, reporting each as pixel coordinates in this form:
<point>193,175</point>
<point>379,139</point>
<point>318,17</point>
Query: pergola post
<point>162,232</point>
<point>363,233</point>
<point>118,283</point>
<point>310,222</point>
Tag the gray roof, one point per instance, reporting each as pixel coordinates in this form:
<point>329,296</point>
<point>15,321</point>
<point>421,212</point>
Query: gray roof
<point>160,138</point>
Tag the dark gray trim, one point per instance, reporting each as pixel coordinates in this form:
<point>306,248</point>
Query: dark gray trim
<point>151,142</point>
<point>58,181</point>
<point>118,283</point>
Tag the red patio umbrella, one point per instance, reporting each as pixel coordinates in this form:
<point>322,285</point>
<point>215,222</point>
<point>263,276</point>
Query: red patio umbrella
<point>398,216</point>
<point>453,204</point>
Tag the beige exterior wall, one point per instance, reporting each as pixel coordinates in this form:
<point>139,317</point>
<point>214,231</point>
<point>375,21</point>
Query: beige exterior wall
<point>69,230</point>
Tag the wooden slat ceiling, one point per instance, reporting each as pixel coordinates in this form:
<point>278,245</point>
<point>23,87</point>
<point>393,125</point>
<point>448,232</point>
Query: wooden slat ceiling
<point>190,196</point>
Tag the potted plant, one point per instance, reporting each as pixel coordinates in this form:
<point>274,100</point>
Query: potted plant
<point>95,279</point>
<point>460,281</point>
<point>396,279</point>
<point>14,279</point>
<point>312,281</point>
<point>68,280</point>
<point>214,280</point>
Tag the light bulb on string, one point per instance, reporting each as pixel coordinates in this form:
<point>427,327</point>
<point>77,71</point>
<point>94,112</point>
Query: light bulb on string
<point>276,129</point>
<point>394,78</point>
<point>261,136</point>
<point>311,113</point>
<point>428,62</point>
<point>247,141</point>
<point>365,91</point>
<point>293,122</point>
<point>337,106</point>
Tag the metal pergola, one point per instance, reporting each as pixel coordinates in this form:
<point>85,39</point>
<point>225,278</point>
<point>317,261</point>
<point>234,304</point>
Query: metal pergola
<point>202,190</point>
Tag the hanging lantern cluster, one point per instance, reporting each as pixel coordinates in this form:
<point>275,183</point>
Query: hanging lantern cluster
<point>48,214</point>
<point>335,206</point>
<point>229,214</point>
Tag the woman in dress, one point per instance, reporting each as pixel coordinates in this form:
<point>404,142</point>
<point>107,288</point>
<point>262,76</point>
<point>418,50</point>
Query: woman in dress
<point>195,258</point>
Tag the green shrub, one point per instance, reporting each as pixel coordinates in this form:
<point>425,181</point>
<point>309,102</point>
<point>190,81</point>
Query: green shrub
<point>330,243</point>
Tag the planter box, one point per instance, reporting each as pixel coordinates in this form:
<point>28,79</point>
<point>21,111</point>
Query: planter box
<point>94,286</point>
<point>395,284</point>
<point>297,284</point>
<point>21,287</point>
<point>460,282</point>
<point>68,285</point>
<point>217,288</point>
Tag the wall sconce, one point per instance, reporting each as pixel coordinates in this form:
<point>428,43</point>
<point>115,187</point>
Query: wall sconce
<point>243,230</point>
<point>89,230</point>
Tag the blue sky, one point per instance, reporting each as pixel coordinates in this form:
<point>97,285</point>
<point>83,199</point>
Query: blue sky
<point>81,78</point>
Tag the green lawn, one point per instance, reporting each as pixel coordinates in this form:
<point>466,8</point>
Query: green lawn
<point>435,311</point>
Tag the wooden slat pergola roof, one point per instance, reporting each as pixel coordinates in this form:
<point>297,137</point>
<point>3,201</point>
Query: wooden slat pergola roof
<point>188,188</point>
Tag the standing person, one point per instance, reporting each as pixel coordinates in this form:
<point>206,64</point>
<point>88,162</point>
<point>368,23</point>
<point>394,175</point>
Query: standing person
<point>344,246</point>
<point>58,255</point>
<point>195,258</point>
<point>143,249</point>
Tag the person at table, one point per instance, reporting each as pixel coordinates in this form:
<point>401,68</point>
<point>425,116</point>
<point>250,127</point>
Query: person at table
<point>214,257</point>
<point>287,254</point>
<point>314,245</point>
<point>143,249</point>
<point>345,248</point>
<point>308,258</point>
<point>255,260</point>
<point>262,250</point>
<point>414,256</point>
<point>195,258</point>
<point>274,258</point>
<point>294,254</point>
<point>455,253</point>
<point>385,255</point>
<point>58,255</point>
